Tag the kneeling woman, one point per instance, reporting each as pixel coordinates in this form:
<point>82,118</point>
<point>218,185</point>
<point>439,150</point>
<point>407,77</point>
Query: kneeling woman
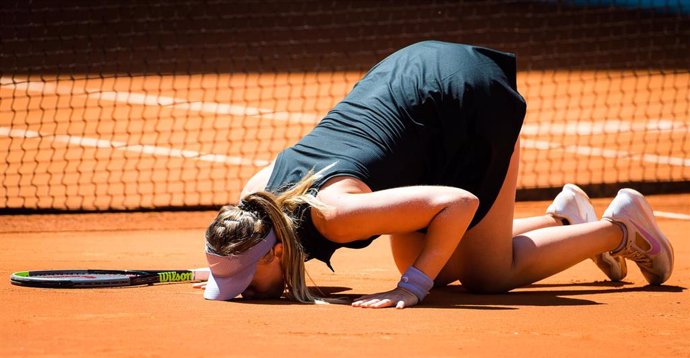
<point>424,148</point>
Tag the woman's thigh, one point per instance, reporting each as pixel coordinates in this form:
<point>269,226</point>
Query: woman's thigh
<point>484,257</point>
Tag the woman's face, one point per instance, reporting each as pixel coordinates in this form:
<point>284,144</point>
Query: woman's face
<point>268,280</point>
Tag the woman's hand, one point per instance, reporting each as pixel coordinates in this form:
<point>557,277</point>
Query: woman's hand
<point>399,297</point>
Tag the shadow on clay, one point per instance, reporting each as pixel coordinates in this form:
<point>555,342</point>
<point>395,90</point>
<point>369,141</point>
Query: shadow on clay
<point>330,292</point>
<point>455,296</point>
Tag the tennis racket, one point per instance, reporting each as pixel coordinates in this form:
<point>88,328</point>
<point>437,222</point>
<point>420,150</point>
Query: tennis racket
<point>104,278</point>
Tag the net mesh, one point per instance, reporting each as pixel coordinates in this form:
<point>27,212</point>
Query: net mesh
<point>161,104</point>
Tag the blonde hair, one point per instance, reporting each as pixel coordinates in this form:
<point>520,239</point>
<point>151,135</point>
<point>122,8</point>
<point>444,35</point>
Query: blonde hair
<point>238,228</point>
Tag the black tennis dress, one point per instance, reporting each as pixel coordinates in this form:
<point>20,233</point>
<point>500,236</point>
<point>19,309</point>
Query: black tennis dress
<point>433,113</point>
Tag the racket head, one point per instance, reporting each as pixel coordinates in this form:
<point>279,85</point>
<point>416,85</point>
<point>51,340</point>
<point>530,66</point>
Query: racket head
<point>82,278</point>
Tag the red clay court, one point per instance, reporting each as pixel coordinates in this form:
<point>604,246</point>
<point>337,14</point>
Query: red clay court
<point>127,126</point>
<point>571,314</point>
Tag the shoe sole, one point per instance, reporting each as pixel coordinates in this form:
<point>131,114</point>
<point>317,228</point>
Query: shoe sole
<point>611,262</point>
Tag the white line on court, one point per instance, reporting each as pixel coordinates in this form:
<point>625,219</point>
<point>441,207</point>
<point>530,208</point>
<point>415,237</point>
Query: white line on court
<point>606,153</point>
<point>145,99</point>
<point>149,100</point>
<point>204,107</point>
<point>601,127</point>
<point>664,214</point>
<point>136,148</point>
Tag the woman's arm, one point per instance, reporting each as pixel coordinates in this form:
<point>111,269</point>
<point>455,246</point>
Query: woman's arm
<point>445,212</point>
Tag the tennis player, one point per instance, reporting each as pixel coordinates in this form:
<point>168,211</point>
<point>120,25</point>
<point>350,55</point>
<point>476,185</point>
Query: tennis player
<point>424,148</point>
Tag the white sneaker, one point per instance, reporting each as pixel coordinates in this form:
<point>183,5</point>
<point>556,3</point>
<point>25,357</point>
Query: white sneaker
<point>574,205</point>
<point>645,243</point>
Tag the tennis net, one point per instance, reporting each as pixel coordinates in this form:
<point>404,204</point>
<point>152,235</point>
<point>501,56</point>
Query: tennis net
<point>166,105</point>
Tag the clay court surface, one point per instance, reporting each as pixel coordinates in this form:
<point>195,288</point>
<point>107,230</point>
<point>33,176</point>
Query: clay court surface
<point>575,313</point>
<point>151,142</point>
<point>127,107</point>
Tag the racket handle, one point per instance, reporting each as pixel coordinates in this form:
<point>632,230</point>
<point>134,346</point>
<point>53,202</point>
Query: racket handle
<point>201,274</point>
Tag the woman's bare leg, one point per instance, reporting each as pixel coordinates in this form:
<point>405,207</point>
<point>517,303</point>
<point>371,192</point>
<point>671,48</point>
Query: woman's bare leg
<point>500,253</point>
<point>490,259</point>
<point>406,247</point>
<point>524,225</point>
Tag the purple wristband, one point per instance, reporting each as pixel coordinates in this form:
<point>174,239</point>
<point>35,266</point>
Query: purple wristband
<point>416,282</point>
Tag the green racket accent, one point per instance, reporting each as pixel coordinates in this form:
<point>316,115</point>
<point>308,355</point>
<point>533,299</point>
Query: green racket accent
<point>173,276</point>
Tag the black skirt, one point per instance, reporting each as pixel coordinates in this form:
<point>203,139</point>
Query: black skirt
<point>433,113</point>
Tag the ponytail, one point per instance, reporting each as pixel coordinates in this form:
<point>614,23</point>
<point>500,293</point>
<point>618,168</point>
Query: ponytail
<point>253,218</point>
